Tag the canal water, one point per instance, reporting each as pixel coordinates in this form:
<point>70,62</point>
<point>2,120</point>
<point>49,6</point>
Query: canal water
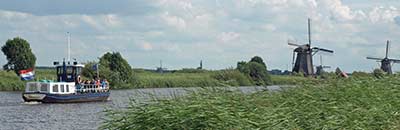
<point>18,115</point>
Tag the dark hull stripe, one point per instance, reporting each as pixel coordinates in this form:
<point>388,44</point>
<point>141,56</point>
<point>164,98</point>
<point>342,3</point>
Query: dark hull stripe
<point>72,98</point>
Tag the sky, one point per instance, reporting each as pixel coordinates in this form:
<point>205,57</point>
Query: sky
<point>219,32</point>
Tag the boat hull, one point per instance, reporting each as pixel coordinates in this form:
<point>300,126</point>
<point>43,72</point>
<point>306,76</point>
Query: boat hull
<point>65,98</point>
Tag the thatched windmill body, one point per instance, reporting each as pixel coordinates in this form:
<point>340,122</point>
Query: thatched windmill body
<point>304,55</point>
<point>386,63</point>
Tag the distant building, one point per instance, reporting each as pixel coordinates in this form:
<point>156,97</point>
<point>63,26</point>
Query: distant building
<point>279,72</point>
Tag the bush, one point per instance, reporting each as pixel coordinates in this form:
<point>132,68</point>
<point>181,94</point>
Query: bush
<point>190,70</point>
<point>360,74</point>
<point>379,73</point>
<point>232,77</point>
<point>256,70</point>
<point>258,73</point>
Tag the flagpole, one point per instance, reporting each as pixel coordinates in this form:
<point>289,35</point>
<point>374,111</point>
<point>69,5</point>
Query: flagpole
<point>97,69</point>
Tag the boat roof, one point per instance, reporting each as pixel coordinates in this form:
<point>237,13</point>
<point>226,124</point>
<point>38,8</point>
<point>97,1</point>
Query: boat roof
<point>77,65</point>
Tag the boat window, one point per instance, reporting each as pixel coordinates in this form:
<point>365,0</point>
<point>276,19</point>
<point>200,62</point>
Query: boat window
<point>67,88</point>
<point>59,70</point>
<point>32,87</point>
<point>62,88</point>
<point>55,88</point>
<point>43,87</point>
<point>70,70</point>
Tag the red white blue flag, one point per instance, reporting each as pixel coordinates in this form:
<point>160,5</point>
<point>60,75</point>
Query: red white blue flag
<point>27,74</point>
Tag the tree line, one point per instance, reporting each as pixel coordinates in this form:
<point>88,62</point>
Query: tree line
<point>113,66</point>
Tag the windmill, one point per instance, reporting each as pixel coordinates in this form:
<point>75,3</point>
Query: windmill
<point>304,55</point>
<point>321,67</point>
<point>386,63</point>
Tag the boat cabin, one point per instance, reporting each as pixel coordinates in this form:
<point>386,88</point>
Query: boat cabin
<point>68,72</point>
<point>51,87</point>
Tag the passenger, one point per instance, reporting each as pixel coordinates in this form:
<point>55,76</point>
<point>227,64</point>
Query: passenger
<point>78,83</point>
<point>93,85</point>
<point>103,84</point>
<point>107,84</point>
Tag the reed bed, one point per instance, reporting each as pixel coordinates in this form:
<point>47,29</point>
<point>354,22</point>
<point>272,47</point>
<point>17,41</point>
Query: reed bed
<point>355,103</point>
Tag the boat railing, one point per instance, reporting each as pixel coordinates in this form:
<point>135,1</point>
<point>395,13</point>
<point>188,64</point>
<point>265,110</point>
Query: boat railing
<point>94,88</point>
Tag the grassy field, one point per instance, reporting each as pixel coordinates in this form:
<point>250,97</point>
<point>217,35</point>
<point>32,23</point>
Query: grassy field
<point>9,81</point>
<point>355,103</point>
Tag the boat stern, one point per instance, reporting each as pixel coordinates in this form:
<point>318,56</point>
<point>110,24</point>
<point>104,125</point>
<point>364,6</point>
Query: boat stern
<point>28,97</point>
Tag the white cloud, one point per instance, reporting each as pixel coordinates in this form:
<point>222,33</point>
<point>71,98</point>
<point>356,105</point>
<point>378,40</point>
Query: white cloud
<point>381,14</point>
<point>228,37</point>
<point>174,21</point>
<point>191,29</point>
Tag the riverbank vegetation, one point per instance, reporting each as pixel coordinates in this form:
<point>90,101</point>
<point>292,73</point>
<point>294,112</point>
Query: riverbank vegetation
<point>9,81</point>
<point>360,102</point>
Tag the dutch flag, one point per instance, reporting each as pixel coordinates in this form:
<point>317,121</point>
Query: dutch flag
<point>27,74</point>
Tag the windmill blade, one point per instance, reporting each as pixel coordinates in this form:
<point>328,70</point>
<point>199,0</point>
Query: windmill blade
<point>293,44</point>
<point>387,48</point>
<point>373,58</point>
<point>395,60</point>
<point>322,49</point>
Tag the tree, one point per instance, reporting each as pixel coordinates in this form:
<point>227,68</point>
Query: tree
<point>118,65</point>
<point>258,60</point>
<point>242,67</point>
<point>256,69</point>
<point>19,55</point>
<point>113,67</point>
<point>258,73</point>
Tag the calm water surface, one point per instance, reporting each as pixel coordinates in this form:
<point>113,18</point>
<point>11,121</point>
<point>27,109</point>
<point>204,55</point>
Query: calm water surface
<point>17,115</point>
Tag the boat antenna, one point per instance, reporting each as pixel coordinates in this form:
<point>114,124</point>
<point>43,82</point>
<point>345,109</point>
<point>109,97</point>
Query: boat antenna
<point>69,46</point>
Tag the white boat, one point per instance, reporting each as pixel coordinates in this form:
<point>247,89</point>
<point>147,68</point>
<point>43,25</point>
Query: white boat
<point>68,87</point>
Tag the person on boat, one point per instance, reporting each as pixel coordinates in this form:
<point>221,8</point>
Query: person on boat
<point>103,84</point>
<point>97,84</point>
<point>87,85</point>
<point>106,84</point>
<point>78,83</point>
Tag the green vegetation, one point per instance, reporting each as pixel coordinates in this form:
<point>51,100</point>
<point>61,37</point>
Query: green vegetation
<point>256,70</point>
<point>19,55</point>
<point>114,68</point>
<point>145,79</point>
<point>354,103</point>
<point>10,81</point>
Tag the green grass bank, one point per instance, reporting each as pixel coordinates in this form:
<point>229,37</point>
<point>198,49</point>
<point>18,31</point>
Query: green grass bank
<point>355,103</point>
<point>9,81</point>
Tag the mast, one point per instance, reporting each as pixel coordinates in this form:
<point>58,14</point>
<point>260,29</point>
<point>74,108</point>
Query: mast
<point>69,46</point>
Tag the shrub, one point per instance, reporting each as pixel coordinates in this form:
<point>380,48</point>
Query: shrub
<point>379,73</point>
<point>256,70</point>
<point>232,77</point>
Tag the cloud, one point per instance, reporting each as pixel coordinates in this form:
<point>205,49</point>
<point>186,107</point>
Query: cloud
<point>147,31</point>
<point>226,37</point>
<point>381,14</point>
<point>87,7</point>
<point>174,21</point>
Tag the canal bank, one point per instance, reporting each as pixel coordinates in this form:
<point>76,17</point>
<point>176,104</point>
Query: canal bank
<point>15,114</point>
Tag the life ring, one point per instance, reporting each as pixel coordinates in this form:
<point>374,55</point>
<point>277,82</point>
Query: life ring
<point>78,79</point>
